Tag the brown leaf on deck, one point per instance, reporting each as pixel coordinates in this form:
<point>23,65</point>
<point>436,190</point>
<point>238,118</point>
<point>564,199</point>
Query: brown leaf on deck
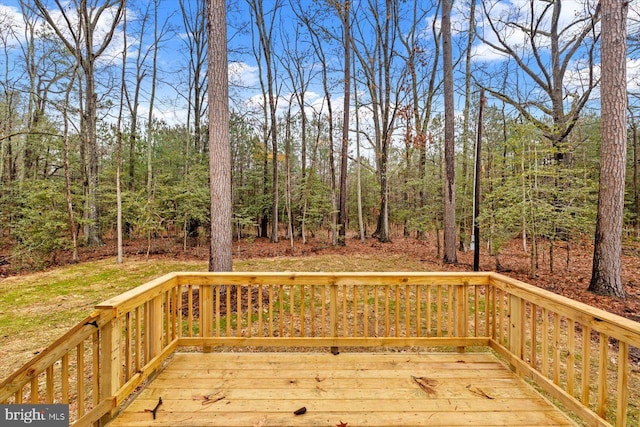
<point>478,392</point>
<point>426,384</point>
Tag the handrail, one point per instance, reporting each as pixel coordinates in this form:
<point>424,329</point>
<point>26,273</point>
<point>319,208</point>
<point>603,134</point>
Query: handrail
<point>577,353</point>
<point>104,358</point>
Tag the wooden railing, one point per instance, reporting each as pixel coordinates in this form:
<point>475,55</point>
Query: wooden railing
<point>579,355</point>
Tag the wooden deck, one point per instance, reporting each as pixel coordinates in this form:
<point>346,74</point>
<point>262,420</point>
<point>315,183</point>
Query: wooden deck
<point>353,389</point>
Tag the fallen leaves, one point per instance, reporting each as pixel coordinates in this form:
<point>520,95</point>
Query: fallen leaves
<point>209,398</point>
<point>341,424</point>
<point>427,385</point>
<point>478,391</point>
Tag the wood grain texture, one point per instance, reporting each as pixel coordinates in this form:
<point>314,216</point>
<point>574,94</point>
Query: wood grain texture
<point>373,389</point>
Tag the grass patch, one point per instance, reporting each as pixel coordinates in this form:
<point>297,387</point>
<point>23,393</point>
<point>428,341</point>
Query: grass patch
<point>37,308</point>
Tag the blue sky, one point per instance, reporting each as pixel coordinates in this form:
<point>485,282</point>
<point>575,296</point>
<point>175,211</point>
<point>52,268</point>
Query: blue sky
<point>244,69</point>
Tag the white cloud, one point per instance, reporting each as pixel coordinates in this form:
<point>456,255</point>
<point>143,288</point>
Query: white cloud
<point>242,74</point>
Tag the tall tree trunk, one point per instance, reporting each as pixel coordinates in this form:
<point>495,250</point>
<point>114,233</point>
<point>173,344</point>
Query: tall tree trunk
<point>466,134</point>
<point>345,16</point>
<point>636,175</point>
<point>119,257</point>
<point>361,229</point>
<point>606,274</point>
<point>221,250</point>
<point>77,35</point>
<point>450,256</point>
<point>67,175</point>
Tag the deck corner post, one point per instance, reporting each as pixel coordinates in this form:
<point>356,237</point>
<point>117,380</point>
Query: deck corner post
<point>515,325</point>
<point>206,315</point>
<point>110,365</point>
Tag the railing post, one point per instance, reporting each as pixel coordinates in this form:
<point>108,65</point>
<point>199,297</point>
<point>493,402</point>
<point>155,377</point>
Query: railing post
<point>461,312</point>
<point>515,325</point>
<point>333,314</point>
<point>206,314</point>
<point>110,364</point>
<point>154,326</point>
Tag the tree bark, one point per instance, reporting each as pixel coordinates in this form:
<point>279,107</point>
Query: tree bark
<point>606,274</point>
<point>450,255</point>
<point>221,250</point>
<point>345,16</point>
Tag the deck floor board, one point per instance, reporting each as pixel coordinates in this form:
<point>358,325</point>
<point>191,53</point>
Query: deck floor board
<point>359,389</point>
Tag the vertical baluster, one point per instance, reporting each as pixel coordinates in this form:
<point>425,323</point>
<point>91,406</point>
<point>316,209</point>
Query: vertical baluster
<point>128,347</point>
<point>179,308</point>
<point>365,310</point>
<point>534,335</point>
<point>487,310</point>
<point>397,310</point>
<point>429,311</point>
<point>450,306</point>
<point>302,311</point>
<point>407,309</point>
<point>190,310</point>
<point>376,310</point>
<point>260,310</point>
<point>64,378</point>
<point>418,311</point>
<point>545,342</point>
<point>439,311</point>
<point>95,367</point>
<point>571,356</point>
<point>586,364</point>
<point>218,311</point>
<point>386,311</point>
<point>249,310</point>
<point>323,310</point>
<point>556,348</point>
<point>355,310</point>
<point>80,378</point>
<point>476,311</point>
<point>603,357</point>
<point>313,310</point>
<point>499,301</point>
<point>167,319</point>
<point>176,318</point>
<point>281,306</point>
<point>292,304</point>
<point>50,386</point>
<point>494,313</point>
<point>623,384</point>
<point>228,310</point>
<point>35,390</point>
<point>138,355</point>
<point>345,328</point>
<point>271,310</point>
<point>238,311</point>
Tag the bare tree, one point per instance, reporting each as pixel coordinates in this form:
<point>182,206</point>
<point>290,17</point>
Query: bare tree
<point>376,60</point>
<point>542,52</point>
<point>195,23</point>
<point>450,256</point>
<point>265,31</point>
<point>221,254</point>
<point>77,31</point>
<point>607,252</point>
<point>344,12</point>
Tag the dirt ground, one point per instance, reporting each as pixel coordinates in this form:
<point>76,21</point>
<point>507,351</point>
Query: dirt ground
<point>570,276</point>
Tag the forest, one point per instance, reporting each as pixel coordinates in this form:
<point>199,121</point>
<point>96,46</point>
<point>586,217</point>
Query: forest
<point>337,122</point>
